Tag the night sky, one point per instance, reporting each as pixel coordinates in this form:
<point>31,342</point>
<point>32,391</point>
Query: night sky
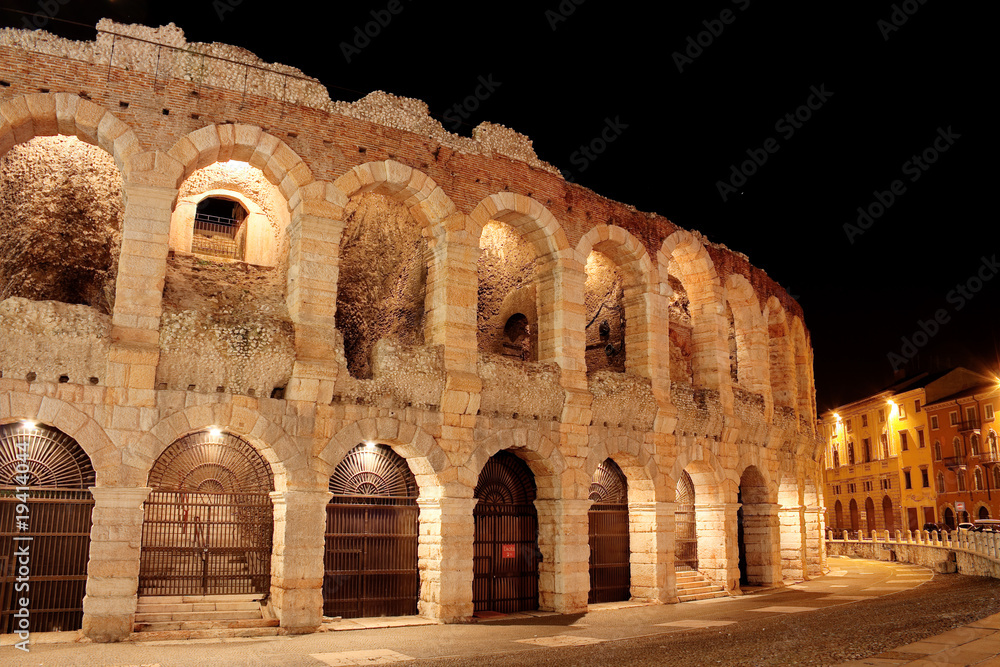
<point>886,83</point>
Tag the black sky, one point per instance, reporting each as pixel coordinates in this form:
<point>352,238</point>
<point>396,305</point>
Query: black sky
<point>563,75</point>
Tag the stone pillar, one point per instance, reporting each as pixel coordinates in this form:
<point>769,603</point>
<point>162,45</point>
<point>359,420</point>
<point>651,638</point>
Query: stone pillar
<point>762,537</point>
<point>447,529</point>
<point>651,541</point>
<point>815,552</point>
<point>718,553</point>
<point>113,570</point>
<point>563,538</point>
<point>792,526</point>
<point>297,559</point>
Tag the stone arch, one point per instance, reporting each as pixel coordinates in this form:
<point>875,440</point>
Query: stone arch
<point>751,334</point>
<point>635,460</point>
<point>46,114</point>
<point>711,483</point>
<point>781,356</point>
<point>682,256</point>
<point>285,456</point>
<point>806,403</point>
<point>641,289</point>
<point>554,478</point>
<point>556,272</point>
<point>426,459</point>
<point>93,440</point>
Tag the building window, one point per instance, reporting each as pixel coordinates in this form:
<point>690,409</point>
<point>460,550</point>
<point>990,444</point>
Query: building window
<point>904,441</point>
<point>868,486</point>
<point>940,482</point>
<point>937,450</point>
<point>885,445</point>
<point>852,488</point>
<point>916,405</point>
<point>956,445</point>
<point>925,477</point>
<point>974,442</point>
<point>996,477</point>
<point>934,422</point>
<point>850,426</point>
<point>920,438</point>
<point>991,440</point>
<point>960,478</point>
<point>977,479</point>
<point>906,479</point>
<point>902,411</point>
<point>953,418</point>
<point>850,453</point>
<point>836,459</point>
<point>864,420</point>
<point>866,448</point>
<point>988,412</point>
<point>881,416</point>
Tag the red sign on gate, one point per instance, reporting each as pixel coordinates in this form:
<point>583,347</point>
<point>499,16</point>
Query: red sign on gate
<point>507,551</point>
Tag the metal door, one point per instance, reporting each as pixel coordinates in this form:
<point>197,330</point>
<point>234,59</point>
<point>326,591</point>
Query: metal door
<point>506,556</point>
<point>372,529</point>
<point>610,571</point>
<point>45,522</point>
<point>208,523</point>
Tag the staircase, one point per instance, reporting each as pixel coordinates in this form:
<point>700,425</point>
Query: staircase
<point>692,585</point>
<point>172,613</point>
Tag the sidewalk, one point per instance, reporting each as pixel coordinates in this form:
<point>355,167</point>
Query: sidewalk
<point>974,644</point>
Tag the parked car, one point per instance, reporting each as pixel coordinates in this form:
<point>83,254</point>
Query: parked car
<point>932,527</point>
<point>966,526</point>
<point>988,525</point>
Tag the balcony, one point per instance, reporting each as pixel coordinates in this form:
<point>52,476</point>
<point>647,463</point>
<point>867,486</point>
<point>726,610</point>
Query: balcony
<point>954,461</point>
<point>989,457</point>
<point>970,425</point>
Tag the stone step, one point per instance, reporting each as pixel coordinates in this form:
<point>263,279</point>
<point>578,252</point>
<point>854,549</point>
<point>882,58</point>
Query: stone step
<point>154,617</point>
<point>255,627</point>
<point>698,585</point>
<point>698,590</point>
<point>702,596</point>
<point>177,599</point>
<point>160,608</point>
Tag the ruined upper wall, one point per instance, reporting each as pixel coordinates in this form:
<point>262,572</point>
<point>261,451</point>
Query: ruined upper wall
<point>164,94</point>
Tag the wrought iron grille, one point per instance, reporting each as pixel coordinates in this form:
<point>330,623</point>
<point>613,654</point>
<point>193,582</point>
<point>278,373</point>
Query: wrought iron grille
<point>685,525</point>
<point>610,572</point>
<point>59,510</point>
<point>212,463</point>
<point>372,531</point>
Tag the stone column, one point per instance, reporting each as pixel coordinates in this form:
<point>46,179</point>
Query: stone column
<point>718,552</point>
<point>113,570</point>
<point>297,559</point>
<point>792,525</point>
<point>563,538</point>
<point>815,552</point>
<point>651,541</point>
<point>447,529</point>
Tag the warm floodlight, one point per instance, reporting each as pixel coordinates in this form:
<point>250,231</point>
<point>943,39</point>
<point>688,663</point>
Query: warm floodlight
<point>215,431</point>
<point>29,423</point>
<point>369,444</point>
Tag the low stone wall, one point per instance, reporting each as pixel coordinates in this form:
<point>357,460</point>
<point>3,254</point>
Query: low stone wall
<point>976,554</point>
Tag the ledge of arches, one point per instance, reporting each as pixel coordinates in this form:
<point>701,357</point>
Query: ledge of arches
<point>105,457</point>
<point>624,249</point>
<point>45,114</point>
<point>426,201</point>
<point>534,222</point>
<point>554,477</point>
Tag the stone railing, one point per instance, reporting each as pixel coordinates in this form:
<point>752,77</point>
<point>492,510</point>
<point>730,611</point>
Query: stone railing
<point>965,552</point>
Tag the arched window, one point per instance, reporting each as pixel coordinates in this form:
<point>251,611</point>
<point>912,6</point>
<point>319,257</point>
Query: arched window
<point>974,442</point>
<point>937,450</point>
<point>850,453</point>
<point>978,479</point>
<point>940,482</point>
<point>956,445</point>
<point>960,478</point>
<point>996,477</point>
<point>991,440</point>
<point>984,513</point>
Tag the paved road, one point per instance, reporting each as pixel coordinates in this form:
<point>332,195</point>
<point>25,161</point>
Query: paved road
<point>861,608</point>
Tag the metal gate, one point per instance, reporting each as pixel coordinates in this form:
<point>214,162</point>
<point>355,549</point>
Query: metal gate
<point>370,561</point>
<point>685,525</point>
<point>610,578</point>
<point>45,521</point>
<point>208,523</point>
<point>506,556</point>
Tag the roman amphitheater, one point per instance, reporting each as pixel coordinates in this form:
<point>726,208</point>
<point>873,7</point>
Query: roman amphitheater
<point>285,357</point>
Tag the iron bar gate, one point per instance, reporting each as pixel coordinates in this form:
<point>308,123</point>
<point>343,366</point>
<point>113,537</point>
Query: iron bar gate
<point>610,570</point>
<point>59,522</point>
<point>206,543</point>
<point>370,564</point>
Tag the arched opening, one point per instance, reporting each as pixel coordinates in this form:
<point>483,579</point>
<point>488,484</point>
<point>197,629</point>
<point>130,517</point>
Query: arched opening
<point>855,516</point>
<point>685,525</point>
<point>978,479</point>
<point>781,357</point>
<point>507,292</point>
<point>974,444</point>
<point>949,518</point>
<point>45,477</point>
<point>370,561</point>
<point>505,545</point>
<point>680,333</point>
<point>61,213</point>
<point>604,298</point>
<point>984,512</point>
<point>754,529</point>
<point>869,514</point>
<point>732,348</point>
<point>838,516</point>
<point>610,570</point>
<point>382,285</point>
<point>208,522</point>
<point>218,228</point>
<point>888,514</point>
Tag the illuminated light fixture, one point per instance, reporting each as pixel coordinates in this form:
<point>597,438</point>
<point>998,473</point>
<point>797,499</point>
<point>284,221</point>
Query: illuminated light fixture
<point>215,431</point>
<point>369,444</point>
<point>29,423</point>
<point>836,416</point>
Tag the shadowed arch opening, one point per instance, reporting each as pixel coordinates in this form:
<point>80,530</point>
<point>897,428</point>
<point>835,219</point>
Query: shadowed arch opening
<point>45,477</point>
<point>855,518</point>
<point>781,359</point>
<point>754,521</point>
<point>608,536</point>
<point>685,525</point>
<point>507,293</point>
<point>870,519</point>
<point>888,514</point>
